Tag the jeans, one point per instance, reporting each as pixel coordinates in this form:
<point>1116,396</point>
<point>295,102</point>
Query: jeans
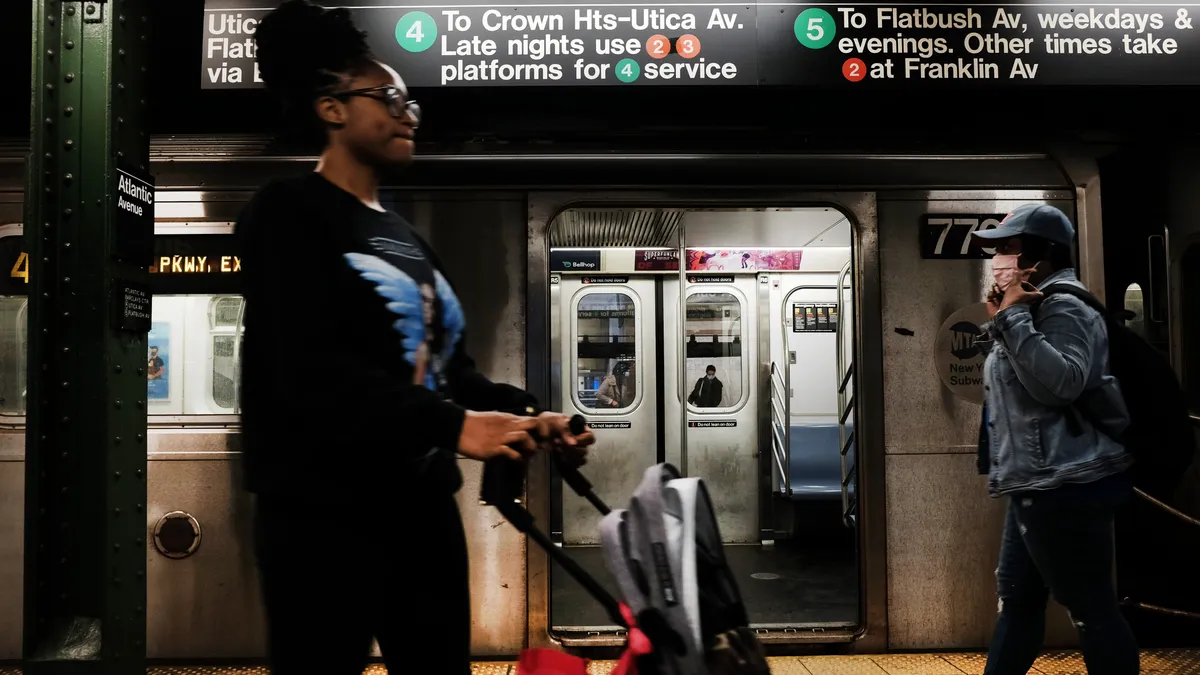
<point>334,578</point>
<point>1061,541</point>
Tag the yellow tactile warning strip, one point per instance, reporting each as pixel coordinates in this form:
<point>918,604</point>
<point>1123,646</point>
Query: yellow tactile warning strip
<point>1154,662</point>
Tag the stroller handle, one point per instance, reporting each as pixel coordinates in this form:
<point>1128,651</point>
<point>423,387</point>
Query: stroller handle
<point>503,484</point>
<point>504,479</point>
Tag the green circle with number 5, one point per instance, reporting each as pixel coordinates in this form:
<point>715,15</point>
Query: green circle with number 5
<point>416,31</point>
<point>814,28</point>
<point>628,70</point>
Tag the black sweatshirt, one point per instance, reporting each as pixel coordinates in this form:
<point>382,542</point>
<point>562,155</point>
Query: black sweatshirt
<point>355,379</point>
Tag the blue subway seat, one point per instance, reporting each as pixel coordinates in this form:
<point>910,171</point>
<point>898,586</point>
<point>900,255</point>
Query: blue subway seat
<point>816,465</point>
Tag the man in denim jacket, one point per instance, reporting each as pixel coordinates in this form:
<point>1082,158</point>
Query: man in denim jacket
<point>1054,412</point>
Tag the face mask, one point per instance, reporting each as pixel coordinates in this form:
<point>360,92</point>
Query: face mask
<point>1005,270</point>
<point>710,376</point>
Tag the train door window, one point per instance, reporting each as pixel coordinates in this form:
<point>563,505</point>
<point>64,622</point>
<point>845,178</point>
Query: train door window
<point>1189,330</point>
<point>606,363</point>
<point>14,315</point>
<point>1135,310</point>
<point>226,326</point>
<point>714,352</point>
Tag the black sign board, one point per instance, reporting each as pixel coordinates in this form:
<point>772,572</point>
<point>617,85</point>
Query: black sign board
<point>610,425</point>
<point>576,43</point>
<point>947,236</point>
<point>180,264</point>
<point>574,261</point>
<point>814,318</point>
<point>133,233</point>
<point>131,306</point>
<point>710,279</point>
<point>713,424</point>
<point>605,280</point>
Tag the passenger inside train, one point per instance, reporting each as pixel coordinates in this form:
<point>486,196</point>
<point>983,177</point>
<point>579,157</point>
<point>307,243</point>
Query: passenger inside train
<point>707,393</point>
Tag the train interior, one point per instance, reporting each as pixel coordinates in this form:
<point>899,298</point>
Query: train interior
<point>737,367</point>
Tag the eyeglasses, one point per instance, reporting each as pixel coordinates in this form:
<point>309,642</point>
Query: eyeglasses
<point>391,96</point>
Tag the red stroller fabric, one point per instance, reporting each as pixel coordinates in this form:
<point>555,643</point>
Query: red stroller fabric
<point>637,645</point>
<point>553,662</point>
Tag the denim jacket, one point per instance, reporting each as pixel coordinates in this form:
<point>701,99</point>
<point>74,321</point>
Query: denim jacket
<point>1053,406</point>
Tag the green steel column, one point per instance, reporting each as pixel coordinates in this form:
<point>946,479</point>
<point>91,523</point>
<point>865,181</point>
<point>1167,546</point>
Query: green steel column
<point>86,235</point>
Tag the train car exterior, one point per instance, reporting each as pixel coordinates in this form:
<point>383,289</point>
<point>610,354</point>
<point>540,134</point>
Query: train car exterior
<point>923,534</point>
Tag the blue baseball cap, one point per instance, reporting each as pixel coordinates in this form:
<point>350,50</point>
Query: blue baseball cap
<point>1038,220</point>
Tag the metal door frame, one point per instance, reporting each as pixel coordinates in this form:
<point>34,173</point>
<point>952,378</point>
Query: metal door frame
<point>860,208</point>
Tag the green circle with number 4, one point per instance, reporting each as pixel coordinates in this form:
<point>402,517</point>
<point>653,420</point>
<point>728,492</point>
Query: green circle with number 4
<point>416,31</point>
<point>628,70</point>
<point>814,28</point>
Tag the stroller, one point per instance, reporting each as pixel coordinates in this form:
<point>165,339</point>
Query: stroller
<point>683,610</point>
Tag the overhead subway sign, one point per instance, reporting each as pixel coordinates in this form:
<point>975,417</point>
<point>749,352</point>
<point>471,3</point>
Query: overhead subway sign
<point>582,44</point>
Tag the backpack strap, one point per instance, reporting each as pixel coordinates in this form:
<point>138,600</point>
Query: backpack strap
<point>1077,292</point>
<point>1073,412</point>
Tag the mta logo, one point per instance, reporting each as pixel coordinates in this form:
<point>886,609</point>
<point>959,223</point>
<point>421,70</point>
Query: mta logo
<point>962,340</point>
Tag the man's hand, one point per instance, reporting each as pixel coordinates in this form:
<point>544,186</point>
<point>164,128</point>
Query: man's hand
<point>555,428</point>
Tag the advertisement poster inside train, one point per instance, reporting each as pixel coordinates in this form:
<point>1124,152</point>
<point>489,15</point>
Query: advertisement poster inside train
<point>746,260</point>
<point>158,342</point>
<point>656,260</point>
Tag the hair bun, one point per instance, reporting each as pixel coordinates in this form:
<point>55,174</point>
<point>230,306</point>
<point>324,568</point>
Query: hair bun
<point>301,47</point>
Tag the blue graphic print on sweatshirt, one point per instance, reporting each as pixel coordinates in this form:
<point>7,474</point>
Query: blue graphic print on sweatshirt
<point>414,305</point>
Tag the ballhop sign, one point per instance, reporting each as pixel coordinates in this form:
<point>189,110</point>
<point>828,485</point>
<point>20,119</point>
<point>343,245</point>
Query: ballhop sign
<point>577,43</point>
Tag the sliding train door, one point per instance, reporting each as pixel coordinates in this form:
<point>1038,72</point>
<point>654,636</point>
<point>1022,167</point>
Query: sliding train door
<point>610,325</point>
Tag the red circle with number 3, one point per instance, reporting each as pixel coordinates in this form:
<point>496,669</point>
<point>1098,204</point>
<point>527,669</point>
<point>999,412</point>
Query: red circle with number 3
<point>687,45</point>
<point>658,46</point>
<point>854,70</point>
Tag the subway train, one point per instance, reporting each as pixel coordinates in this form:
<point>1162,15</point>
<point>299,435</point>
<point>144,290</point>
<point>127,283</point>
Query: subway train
<point>832,298</point>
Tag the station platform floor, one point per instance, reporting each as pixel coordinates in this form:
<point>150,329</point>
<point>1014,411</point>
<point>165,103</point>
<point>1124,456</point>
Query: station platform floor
<point>1154,662</point>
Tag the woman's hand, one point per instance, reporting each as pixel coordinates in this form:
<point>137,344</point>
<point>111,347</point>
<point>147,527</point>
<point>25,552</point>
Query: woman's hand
<point>493,434</point>
<point>556,429</point>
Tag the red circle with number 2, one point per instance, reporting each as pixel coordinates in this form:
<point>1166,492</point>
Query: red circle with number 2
<point>658,46</point>
<point>854,70</point>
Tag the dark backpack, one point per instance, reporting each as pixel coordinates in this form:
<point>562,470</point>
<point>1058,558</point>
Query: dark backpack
<point>1159,436</point>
